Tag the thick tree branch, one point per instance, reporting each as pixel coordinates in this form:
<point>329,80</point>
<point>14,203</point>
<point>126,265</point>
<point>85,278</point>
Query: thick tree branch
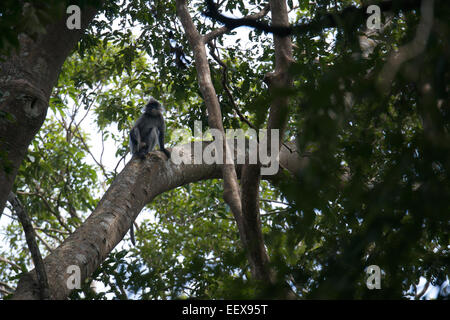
<point>249,21</point>
<point>138,184</point>
<point>350,16</point>
<point>250,181</point>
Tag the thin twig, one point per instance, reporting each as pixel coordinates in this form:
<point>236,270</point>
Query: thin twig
<point>274,201</point>
<point>272,212</point>
<point>45,243</point>
<point>15,266</point>
<point>47,204</point>
<point>225,85</point>
<point>5,285</point>
<point>5,291</point>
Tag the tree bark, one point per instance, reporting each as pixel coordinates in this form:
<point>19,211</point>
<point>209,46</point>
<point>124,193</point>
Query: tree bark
<point>27,78</point>
<point>280,79</point>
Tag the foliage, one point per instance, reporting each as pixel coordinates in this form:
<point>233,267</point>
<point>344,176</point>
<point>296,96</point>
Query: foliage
<point>31,17</point>
<point>374,189</point>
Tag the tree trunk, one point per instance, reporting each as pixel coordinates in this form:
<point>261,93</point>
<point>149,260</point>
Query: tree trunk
<point>27,78</point>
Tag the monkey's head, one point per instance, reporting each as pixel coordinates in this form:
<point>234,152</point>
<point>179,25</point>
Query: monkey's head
<point>152,106</point>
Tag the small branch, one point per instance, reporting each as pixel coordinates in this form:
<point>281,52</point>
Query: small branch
<point>118,162</point>
<point>45,243</point>
<point>293,8</point>
<point>4,291</point>
<point>225,85</point>
<point>274,201</point>
<point>272,212</point>
<point>424,290</point>
<point>15,266</point>
<point>47,204</point>
<point>214,34</point>
<point>410,50</point>
<point>5,285</point>
<point>86,148</point>
<point>30,235</point>
<point>103,149</point>
<point>77,131</point>
<point>48,232</point>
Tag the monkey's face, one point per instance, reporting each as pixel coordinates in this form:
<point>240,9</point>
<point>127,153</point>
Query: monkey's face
<point>154,109</point>
<point>152,105</point>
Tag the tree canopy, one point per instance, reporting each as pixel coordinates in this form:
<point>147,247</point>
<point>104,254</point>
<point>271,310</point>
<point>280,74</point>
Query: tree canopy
<point>364,112</point>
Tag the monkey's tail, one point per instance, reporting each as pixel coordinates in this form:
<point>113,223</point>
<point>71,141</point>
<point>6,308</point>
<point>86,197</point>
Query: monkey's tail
<point>133,241</point>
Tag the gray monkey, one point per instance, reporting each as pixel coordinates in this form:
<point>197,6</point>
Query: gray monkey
<point>148,131</point>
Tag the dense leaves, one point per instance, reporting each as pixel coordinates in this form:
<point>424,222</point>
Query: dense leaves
<point>31,18</point>
<point>374,189</point>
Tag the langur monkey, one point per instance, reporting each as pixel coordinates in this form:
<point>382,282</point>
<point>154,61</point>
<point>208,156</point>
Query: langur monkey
<point>148,131</point>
